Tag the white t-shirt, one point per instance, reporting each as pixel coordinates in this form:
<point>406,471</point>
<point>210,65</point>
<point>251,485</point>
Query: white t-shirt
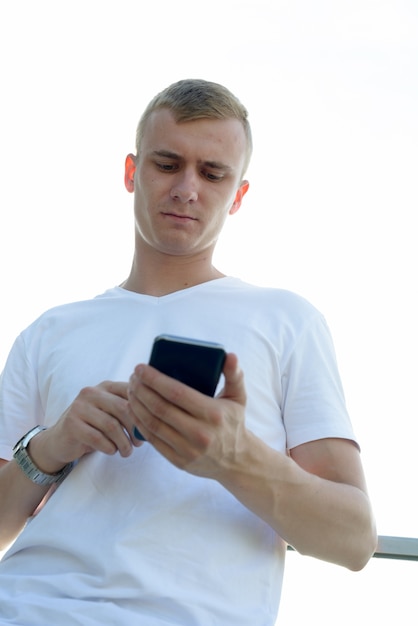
<point>136,540</point>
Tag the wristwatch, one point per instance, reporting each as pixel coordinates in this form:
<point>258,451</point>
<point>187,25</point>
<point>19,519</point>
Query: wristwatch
<point>22,458</point>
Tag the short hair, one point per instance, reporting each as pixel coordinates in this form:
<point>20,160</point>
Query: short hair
<point>194,99</point>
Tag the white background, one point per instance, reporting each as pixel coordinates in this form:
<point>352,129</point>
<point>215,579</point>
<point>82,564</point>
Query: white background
<point>332,90</point>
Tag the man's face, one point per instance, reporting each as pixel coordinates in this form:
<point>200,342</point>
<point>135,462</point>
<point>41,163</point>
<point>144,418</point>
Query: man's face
<point>186,181</point>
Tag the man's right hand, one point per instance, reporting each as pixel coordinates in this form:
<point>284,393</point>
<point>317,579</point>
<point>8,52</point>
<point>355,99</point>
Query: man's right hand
<point>97,420</point>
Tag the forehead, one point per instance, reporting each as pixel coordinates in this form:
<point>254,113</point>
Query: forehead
<point>203,139</point>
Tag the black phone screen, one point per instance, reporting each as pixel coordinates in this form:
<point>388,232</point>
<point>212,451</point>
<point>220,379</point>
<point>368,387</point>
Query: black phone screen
<point>196,363</point>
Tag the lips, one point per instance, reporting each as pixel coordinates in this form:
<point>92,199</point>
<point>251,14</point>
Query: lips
<point>179,216</point>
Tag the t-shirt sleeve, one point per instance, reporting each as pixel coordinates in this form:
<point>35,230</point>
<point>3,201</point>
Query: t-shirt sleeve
<point>20,406</point>
<point>314,405</point>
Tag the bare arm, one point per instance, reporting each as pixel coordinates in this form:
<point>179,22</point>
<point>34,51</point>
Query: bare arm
<point>98,419</point>
<point>327,516</point>
<point>315,498</point>
<point>19,498</point>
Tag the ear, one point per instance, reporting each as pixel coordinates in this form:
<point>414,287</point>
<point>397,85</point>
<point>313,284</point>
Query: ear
<point>130,167</point>
<point>239,196</point>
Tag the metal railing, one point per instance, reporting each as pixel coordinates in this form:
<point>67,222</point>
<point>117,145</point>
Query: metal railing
<point>402,548</point>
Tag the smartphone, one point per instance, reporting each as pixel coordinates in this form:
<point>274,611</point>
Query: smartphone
<point>196,363</point>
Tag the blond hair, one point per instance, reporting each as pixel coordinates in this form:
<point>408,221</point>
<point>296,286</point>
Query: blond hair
<point>194,99</point>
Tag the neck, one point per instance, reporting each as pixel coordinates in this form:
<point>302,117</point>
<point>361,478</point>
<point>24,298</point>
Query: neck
<point>167,274</point>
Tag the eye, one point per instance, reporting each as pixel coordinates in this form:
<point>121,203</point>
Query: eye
<point>214,178</point>
<point>166,167</point>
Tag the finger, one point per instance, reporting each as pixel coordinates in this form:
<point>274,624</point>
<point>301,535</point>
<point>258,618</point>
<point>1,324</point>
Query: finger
<point>161,421</point>
<point>153,415</point>
<point>107,415</point>
<point>172,436</point>
<point>115,388</point>
<point>234,388</point>
<point>176,393</point>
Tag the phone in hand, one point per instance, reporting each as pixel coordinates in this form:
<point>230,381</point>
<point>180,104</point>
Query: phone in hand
<point>196,363</point>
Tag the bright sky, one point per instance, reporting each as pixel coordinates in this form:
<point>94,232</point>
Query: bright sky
<point>332,90</point>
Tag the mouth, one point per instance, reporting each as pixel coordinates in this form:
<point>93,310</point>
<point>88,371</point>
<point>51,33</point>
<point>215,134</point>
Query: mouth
<point>179,217</point>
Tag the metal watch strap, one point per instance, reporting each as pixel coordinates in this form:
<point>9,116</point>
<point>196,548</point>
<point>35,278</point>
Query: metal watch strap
<point>22,458</point>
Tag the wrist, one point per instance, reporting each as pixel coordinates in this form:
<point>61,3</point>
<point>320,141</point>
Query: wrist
<point>246,461</point>
<point>47,474</point>
<point>39,451</point>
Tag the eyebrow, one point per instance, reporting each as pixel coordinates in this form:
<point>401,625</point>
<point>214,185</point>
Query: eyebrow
<point>217,165</point>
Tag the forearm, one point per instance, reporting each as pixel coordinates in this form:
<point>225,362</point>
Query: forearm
<point>318,517</point>
<point>19,498</point>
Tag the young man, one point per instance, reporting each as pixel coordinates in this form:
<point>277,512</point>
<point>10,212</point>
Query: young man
<point>189,526</point>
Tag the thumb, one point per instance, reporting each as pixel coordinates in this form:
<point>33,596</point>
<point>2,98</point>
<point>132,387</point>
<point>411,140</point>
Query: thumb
<point>234,388</point>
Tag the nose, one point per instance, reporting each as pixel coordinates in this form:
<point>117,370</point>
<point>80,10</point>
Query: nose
<point>184,187</point>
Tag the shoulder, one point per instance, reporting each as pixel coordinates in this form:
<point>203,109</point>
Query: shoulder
<point>237,286</point>
<point>288,306</point>
<point>70,309</point>
<point>64,317</point>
